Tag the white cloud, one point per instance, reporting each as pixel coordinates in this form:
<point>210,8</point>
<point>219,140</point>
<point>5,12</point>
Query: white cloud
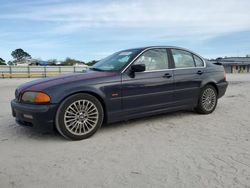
<point>177,18</point>
<point>136,21</point>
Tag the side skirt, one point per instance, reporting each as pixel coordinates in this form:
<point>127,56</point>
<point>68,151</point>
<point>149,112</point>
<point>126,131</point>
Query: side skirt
<point>121,117</point>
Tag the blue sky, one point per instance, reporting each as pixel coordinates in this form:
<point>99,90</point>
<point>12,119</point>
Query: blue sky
<point>88,30</point>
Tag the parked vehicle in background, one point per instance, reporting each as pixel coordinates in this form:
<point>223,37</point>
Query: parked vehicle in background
<point>129,84</point>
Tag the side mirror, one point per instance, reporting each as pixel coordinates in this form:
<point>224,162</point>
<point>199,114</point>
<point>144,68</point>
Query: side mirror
<point>138,68</point>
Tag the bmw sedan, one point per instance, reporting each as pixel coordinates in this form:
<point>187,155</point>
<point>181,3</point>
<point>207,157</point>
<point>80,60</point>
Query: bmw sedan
<point>128,84</point>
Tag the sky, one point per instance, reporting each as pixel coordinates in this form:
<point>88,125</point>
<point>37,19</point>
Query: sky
<point>88,30</point>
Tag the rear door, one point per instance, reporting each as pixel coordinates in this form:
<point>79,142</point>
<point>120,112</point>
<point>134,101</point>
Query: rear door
<point>188,75</point>
<point>151,89</point>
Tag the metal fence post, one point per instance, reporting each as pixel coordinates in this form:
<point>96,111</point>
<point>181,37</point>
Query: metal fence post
<point>10,72</point>
<point>74,69</point>
<point>60,71</point>
<point>28,71</point>
<point>44,71</point>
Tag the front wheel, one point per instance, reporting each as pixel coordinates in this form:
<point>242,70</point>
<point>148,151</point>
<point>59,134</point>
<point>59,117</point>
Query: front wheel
<point>79,116</point>
<point>207,100</point>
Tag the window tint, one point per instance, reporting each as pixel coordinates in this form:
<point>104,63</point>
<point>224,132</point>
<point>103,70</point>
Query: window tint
<point>155,59</point>
<point>182,59</point>
<point>198,61</point>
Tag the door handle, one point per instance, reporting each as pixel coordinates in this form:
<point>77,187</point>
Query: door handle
<point>167,75</point>
<point>199,72</point>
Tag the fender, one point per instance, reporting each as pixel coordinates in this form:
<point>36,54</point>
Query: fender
<point>214,78</point>
<point>61,94</point>
<point>208,81</point>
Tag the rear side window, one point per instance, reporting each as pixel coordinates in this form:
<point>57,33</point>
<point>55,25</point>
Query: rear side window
<point>182,59</point>
<point>198,61</point>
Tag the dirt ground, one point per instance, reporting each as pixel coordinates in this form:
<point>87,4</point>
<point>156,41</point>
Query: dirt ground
<point>181,149</point>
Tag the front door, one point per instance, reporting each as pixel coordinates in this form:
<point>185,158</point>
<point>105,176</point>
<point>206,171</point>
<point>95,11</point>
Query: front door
<point>149,90</point>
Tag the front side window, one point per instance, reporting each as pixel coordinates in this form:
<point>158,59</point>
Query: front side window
<point>154,59</point>
<point>182,59</point>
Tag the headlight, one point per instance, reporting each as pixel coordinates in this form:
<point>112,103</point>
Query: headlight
<point>35,97</point>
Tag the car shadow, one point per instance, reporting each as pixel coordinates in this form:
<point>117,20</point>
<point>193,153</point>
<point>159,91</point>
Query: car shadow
<point>22,132</point>
<point>152,119</point>
<point>43,135</point>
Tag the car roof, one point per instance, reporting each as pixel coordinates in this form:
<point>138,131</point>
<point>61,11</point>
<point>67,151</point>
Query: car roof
<point>147,47</point>
<point>175,47</point>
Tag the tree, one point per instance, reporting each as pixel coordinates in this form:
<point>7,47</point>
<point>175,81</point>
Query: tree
<point>91,63</point>
<point>68,61</point>
<point>52,61</point>
<point>10,63</point>
<point>2,61</point>
<point>20,55</point>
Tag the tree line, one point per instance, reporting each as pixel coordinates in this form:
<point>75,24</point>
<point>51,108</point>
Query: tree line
<point>20,57</point>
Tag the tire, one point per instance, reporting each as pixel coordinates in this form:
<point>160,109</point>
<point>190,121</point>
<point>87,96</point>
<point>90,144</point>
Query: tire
<point>207,100</point>
<point>79,116</point>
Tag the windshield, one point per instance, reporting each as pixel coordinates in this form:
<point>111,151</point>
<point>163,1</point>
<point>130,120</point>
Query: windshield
<point>116,61</point>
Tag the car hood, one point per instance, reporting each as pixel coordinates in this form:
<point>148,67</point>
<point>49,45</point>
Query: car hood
<point>44,83</point>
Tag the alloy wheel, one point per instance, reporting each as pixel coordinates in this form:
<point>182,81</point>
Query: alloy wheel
<point>208,99</point>
<point>81,117</point>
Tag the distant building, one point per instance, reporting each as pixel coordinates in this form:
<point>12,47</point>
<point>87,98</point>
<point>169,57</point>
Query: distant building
<point>43,63</point>
<point>59,63</point>
<point>22,64</point>
<point>39,62</point>
<point>80,65</point>
<point>25,62</point>
<point>235,64</point>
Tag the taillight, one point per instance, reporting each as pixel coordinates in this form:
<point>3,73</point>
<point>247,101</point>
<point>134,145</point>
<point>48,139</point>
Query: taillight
<point>225,76</point>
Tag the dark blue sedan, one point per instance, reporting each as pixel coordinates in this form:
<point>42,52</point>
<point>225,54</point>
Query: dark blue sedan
<point>128,84</point>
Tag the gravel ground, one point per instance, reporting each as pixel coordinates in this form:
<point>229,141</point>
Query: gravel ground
<point>171,150</point>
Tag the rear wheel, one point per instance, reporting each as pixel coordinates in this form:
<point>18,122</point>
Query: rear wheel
<point>79,116</point>
<point>207,100</point>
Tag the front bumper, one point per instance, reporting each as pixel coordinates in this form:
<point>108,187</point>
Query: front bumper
<point>222,87</point>
<point>33,115</point>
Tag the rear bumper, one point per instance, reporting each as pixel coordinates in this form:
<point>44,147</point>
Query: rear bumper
<point>32,115</point>
<point>222,87</point>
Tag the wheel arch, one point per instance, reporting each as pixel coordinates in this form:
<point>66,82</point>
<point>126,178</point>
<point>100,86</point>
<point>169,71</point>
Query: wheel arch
<point>97,95</point>
<point>212,83</point>
<point>199,108</point>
